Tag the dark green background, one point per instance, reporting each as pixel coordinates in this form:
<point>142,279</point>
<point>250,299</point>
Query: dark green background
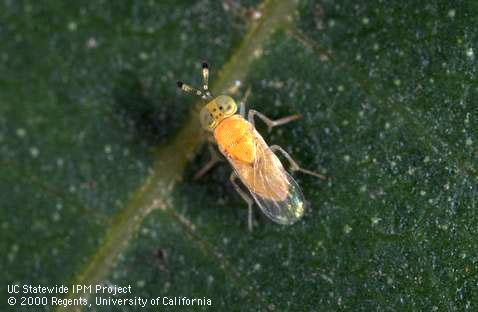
<point>388,94</point>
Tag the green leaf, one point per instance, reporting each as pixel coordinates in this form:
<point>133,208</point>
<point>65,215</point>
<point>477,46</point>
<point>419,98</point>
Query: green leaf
<point>98,152</point>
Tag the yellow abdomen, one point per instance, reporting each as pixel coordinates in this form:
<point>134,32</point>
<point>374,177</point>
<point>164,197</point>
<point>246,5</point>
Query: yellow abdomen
<point>235,138</point>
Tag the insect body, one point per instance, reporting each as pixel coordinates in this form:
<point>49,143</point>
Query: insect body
<point>253,161</point>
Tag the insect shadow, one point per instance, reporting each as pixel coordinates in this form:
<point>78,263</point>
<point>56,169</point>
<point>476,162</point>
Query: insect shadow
<point>151,118</point>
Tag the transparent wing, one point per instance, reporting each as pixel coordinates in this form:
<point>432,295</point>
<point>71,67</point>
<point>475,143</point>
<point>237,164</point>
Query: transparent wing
<point>273,189</point>
<point>286,211</point>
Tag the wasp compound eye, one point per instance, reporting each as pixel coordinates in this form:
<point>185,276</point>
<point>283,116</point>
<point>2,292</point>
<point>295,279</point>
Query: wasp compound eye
<point>206,118</point>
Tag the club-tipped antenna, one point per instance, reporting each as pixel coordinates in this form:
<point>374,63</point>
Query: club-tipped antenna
<point>203,94</point>
<point>188,89</point>
<point>205,78</point>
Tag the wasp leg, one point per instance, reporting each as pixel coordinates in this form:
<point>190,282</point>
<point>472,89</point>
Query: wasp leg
<point>293,165</point>
<point>269,122</point>
<point>215,158</point>
<point>244,196</point>
<point>242,103</point>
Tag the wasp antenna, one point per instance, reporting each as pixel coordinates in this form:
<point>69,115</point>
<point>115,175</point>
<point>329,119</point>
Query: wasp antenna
<point>205,78</point>
<point>188,89</point>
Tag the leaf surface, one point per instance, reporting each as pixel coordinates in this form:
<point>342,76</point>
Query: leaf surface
<point>97,152</point>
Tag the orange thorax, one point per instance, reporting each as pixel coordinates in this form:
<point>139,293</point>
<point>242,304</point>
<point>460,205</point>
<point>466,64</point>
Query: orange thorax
<point>235,137</point>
